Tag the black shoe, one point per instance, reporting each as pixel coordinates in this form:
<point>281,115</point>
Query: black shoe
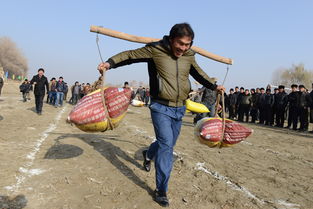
<point>161,198</point>
<point>146,163</point>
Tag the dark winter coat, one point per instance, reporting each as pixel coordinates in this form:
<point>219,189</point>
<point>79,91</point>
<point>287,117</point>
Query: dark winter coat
<point>293,99</point>
<point>40,85</point>
<point>304,100</point>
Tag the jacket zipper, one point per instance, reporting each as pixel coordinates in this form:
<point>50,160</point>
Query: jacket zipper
<point>177,82</point>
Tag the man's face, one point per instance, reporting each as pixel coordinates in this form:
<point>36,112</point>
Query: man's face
<point>180,45</point>
<point>60,79</point>
<point>236,89</point>
<point>262,91</point>
<point>40,73</point>
<point>246,92</point>
<point>302,89</point>
<point>294,89</point>
<point>241,90</point>
<point>280,90</point>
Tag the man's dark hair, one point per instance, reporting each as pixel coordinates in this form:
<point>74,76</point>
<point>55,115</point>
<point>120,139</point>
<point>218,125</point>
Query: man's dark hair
<point>262,89</point>
<point>236,87</point>
<point>231,89</point>
<point>125,83</point>
<point>41,69</point>
<point>294,86</point>
<point>241,88</point>
<point>60,77</point>
<point>181,30</point>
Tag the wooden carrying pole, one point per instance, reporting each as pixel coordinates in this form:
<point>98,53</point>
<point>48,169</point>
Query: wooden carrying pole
<point>145,40</point>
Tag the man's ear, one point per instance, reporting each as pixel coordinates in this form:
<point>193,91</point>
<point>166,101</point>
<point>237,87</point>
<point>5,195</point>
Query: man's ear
<point>191,43</point>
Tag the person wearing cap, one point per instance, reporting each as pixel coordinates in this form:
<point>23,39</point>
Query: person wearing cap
<point>293,100</point>
<point>261,105</point>
<point>232,99</point>
<point>236,94</point>
<point>304,104</point>
<point>281,100</point>
<point>244,106</point>
<point>273,115</point>
<point>268,106</point>
<point>239,99</point>
<point>254,105</point>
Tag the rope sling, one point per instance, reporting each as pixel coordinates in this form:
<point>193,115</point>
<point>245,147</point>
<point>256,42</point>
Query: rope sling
<point>102,78</point>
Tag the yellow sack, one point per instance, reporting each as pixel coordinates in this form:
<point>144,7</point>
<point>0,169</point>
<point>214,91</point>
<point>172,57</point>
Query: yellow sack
<point>196,107</point>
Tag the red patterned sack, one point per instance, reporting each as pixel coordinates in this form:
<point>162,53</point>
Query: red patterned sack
<point>89,114</point>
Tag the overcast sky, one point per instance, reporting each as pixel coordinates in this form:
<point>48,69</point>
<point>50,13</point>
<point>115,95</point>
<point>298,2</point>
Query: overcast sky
<point>261,36</point>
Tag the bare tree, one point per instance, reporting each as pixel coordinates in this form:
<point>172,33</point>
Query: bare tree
<point>297,74</point>
<point>11,58</point>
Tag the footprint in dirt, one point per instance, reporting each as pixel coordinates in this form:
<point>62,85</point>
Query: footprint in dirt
<point>17,202</point>
<point>1,118</point>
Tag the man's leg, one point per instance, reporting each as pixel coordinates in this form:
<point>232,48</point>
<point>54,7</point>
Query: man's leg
<point>40,103</point>
<point>167,130</point>
<point>37,103</point>
<point>61,98</point>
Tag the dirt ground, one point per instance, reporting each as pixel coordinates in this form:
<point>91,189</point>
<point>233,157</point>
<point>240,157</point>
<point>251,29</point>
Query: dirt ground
<point>47,163</point>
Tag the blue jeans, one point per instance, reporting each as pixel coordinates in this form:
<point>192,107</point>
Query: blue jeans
<point>52,97</point>
<point>167,122</point>
<point>59,99</point>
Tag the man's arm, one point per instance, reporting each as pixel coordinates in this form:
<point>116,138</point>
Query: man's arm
<point>126,58</point>
<point>199,75</point>
<point>131,56</point>
<point>47,84</point>
<point>33,81</point>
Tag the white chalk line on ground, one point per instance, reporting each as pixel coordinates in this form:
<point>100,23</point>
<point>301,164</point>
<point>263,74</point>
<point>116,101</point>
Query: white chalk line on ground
<point>278,153</point>
<point>231,184</point>
<point>26,171</point>
<point>288,205</point>
<point>236,186</point>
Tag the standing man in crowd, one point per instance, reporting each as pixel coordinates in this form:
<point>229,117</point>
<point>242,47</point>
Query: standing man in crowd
<point>244,106</point>
<point>261,106</point>
<point>293,100</point>
<point>232,99</point>
<point>41,85</point>
<point>75,93</point>
<point>170,61</point>
<point>60,87</point>
<point>254,105</point>
<point>281,100</point>
<point>268,106</point>
<point>304,104</point>
<point>147,96</point>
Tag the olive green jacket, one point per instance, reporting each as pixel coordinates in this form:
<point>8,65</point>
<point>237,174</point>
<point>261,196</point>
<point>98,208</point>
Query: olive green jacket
<point>169,76</point>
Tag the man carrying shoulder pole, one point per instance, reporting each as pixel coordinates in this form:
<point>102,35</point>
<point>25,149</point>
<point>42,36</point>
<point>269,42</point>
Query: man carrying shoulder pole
<point>170,61</point>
